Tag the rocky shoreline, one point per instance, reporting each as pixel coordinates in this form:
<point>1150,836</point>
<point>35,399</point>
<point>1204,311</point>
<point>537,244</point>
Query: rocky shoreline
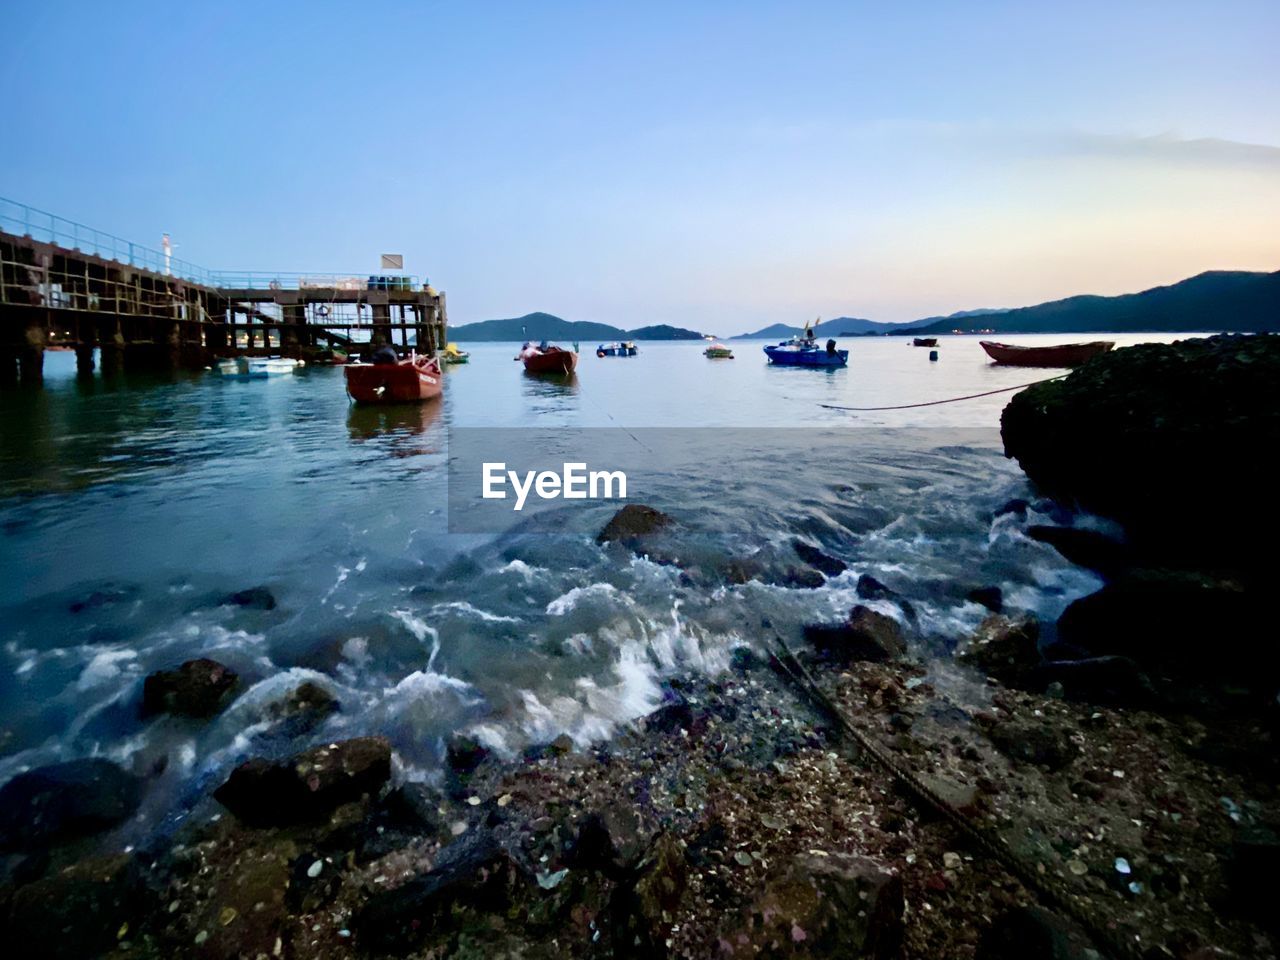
<point>1125,756</point>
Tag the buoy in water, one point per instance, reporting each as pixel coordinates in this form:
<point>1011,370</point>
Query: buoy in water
<point>933,354</point>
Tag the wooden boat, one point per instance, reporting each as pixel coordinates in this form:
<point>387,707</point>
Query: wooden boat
<point>924,342</point>
<point>452,354</point>
<point>415,378</point>
<point>547,358</point>
<point>718,351</point>
<point>1063,355</point>
<point>625,349</point>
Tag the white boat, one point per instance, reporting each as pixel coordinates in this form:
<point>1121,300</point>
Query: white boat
<point>257,368</point>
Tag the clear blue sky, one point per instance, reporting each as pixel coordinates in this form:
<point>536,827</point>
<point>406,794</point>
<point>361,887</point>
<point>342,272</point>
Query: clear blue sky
<point>714,165</point>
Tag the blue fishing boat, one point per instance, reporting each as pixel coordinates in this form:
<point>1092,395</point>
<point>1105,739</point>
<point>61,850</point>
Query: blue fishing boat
<point>625,349</point>
<point>805,351</point>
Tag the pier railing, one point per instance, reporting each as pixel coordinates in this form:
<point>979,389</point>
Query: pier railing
<point>23,220</point>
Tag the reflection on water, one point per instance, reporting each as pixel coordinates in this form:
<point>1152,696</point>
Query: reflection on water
<point>370,421</point>
<point>550,384</point>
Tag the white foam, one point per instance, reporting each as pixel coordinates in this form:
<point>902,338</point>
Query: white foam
<point>522,568</point>
<point>569,601</point>
<point>105,666</point>
<point>462,607</point>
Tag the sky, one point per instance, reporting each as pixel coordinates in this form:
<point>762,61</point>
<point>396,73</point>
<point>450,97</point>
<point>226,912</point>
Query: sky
<point>719,166</point>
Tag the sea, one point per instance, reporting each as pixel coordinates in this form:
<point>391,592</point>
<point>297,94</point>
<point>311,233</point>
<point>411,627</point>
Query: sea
<point>132,508</point>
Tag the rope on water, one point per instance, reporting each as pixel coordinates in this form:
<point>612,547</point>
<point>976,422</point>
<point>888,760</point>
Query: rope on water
<point>934,403</point>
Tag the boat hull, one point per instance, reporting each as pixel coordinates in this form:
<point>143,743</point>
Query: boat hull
<point>925,342</point>
<point>553,361</point>
<point>718,354</point>
<point>1065,355</point>
<point>806,358</point>
<point>409,381</point>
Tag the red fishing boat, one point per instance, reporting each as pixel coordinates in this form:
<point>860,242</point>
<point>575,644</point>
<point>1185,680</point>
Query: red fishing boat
<point>1064,355</point>
<point>546,358</point>
<point>415,378</point>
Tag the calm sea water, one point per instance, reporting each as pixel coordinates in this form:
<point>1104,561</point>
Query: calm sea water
<point>128,509</point>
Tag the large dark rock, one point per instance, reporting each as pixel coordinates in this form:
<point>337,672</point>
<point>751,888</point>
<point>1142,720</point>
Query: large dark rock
<point>262,793</point>
<point>198,688</point>
<point>1033,933</point>
<point>77,912</point>
<point>866,635</point>
<point>472,876</point>
<point>65,801</point>
<point>1166,439</point>
<point>1003,647</point>
<point>611,841</point>
<point>990,597</point>
<point>869,588</point>
<point>634,522</point>
<point>643,913</point>
<point>1186,622</point>
<point>1252,872</point>
<point>839,905</point>
<point>1087,548</point>
<point>463,753</point>
<point>254,598</point>
<point>1102,680</point>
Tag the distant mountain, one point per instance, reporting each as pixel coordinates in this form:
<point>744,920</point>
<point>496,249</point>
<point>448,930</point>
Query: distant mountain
<point>534,326</point>
<point>839,327</point>
<point>1220,300</point>
<point>663,332</point>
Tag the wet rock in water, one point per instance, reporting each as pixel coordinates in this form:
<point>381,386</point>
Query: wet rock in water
<point>990,597</point>
<point>463,753</point>
<point>869,588</point>
<point>107,596</point>
<point>611,840</point>
<point>1003,647</point>
<point>822,906</point>
<point>304,708</point>
<point>866,635</point>
<point>198,688</point>
<point>262,793</point>
<point>1033,742</point>
<point>829,565</point>
<point>65,801</point>
<point>633,522</point>
<point>78,911</point>
<point>801,578</point>
<point>1163,438</point>
<point>1086,548</point>
<point>255,598</point>
<point>1102,680</point>
<point>472,876</point>
<point>1181,621</point>
<point>1034,933</point>
<point>1017,506</point>
<point>407,815</point>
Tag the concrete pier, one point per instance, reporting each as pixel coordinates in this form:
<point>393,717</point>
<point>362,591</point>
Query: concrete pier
<point>66,285</point>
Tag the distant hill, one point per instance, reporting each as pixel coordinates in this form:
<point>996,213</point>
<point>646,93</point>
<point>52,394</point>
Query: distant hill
<point>1227,300</point>
<point>839,327</point>
<point>546,326</point>
<point>534,326</point>
<point>663,331</point>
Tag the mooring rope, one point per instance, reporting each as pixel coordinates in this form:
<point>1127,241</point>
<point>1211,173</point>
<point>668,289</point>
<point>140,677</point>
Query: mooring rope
<point>934,403</point>
<point>982,839</point>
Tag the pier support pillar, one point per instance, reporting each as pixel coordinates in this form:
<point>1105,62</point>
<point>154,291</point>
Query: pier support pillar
<point>382,321</point>
<point>84,360</point>
<point>112,355</point>
<point>8,367</point>
<point>31,355</point>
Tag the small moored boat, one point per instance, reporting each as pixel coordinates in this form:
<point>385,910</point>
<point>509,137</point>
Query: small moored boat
<point>924,342</point>
<point>415,378</point>
<point>718,351</point>
<point>626,348</point>
<point>805,351</point>
<point>548,358</point>
<point>1063,355</point>
<point>453,355</point>
<point>257,368</point>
